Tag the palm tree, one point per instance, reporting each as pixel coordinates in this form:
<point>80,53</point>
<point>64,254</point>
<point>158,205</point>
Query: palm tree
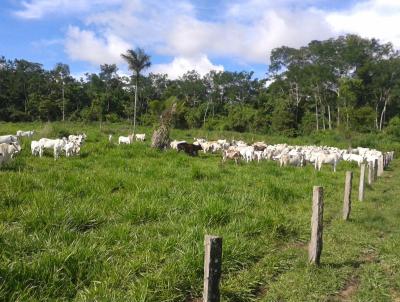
<point>137,61</point>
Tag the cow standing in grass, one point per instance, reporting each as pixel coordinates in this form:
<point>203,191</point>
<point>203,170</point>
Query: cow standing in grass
<point>191,149</point>
<point>7,152</point>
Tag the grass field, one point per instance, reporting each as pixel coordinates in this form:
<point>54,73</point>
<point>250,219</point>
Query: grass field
<point>127,223</point>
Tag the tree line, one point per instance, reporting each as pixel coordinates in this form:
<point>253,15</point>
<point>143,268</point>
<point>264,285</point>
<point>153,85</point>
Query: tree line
<point>343,83</point>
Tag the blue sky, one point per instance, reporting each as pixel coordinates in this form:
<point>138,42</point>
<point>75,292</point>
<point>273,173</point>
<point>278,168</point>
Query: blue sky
<point>182,35</point>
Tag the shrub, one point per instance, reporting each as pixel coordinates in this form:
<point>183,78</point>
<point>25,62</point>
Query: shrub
<point>394,127</point>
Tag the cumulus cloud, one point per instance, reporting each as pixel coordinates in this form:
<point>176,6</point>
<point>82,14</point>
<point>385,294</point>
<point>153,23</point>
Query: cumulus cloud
<point>84,45</point>
<point>235,31</point>
<point>370,19</point>
<point>181,65</point>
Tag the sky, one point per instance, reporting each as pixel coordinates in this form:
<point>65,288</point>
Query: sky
<point>182,35</point>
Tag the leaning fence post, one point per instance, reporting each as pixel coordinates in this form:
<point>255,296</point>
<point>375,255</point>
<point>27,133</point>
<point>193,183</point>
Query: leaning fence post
<point>212,268</point>
<point>380,165</point>
<point>361,186</point>
<point>375,169</point>
<point>370,172</point>
<point>347,195</point>
<point>315,246</point>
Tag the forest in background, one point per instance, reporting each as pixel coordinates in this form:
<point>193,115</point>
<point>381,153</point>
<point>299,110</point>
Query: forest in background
<point>346,83</point>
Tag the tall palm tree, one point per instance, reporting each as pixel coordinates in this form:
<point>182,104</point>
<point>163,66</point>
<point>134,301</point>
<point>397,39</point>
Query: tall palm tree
<point>137,61</point>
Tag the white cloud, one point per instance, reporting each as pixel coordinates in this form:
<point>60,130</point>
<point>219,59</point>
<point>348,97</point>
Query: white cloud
<point>250,42</point>
<point>371,19</point>
<point>181,65</point>
<point>240,31</point>
<point>36,9</point>
<point>84,45</point>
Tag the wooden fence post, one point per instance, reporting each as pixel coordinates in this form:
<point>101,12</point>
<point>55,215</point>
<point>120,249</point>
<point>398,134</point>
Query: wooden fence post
<point>380,165</point>
<point>347,195</point>
<point>370,172</point>
<point>375,169</point>
<point>315,246</point>
<point>361,186</point>
<point>385,160</point>
<point>212,268</point>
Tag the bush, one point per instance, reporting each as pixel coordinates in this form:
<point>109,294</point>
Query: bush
<point>112,118</point>
<point>393,128</point>
<point>283,120</point>
<point>362,119</point>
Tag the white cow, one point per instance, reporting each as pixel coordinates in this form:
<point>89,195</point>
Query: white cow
<point>36,148</point>
<point>7,152</point>
<point>247,153</point>
<point>125,139</point>
<point>79,139</point>
<point>353,157</point>
<point>46,143</point>
<point>71,148</point>
<point>326,158</point>
<point>296,160</point>
<point>140,137</point>
<point>8,139</point>
<point>28,134</point>
<point>59,147</point>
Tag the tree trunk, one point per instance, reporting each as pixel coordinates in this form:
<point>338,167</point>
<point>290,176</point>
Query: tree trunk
<point>316,113</point>
<point>376,116</point>
<point>134,108</point>
<point>382,114</point>
<point>329,118</point>
<point>26,99</point>
<point>63,103</point>
<point>205,115</point>
<point>323,117</point>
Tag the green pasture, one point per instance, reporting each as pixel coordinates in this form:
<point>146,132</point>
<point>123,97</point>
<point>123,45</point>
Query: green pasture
<point>127,223</point>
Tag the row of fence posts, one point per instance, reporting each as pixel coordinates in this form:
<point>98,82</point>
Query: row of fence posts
<point>213,244</point>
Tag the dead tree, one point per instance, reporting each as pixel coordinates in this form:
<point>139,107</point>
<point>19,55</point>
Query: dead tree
<point>160,139</point>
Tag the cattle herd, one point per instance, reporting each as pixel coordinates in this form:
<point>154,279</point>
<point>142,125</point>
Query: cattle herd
<point>237,151</point>
<point>285,154</point>
<point>10,144</point>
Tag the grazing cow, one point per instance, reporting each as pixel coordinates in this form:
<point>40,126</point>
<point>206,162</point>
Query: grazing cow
<point>140,137</point>
<point>28,134</point>
<point>231,154</point>
<point>36,148</point>
<point>7,152</point>
<point>127,140</point>
<point>353,157</point>
<point>191,149</point>
<point>8,139</point>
